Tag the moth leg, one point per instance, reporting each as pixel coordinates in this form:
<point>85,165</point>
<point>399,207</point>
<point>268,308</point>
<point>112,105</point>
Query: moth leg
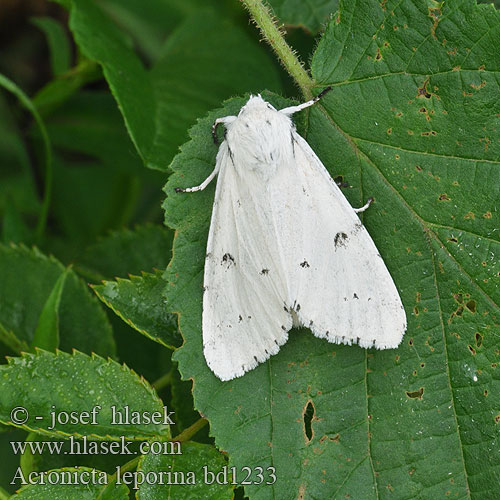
<point>225,119</point>
<point>364,207</point>
<point>293,109</point>
<point>203,185</point>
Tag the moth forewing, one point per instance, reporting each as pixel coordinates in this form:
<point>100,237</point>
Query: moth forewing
<point>284,243</point>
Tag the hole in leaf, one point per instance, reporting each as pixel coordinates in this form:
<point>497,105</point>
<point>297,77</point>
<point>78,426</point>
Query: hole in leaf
<point>472,350</point>
<point>416,394</point>
<point>479,340</point>
<point>308,415</point>
<point>471,306</point>
<point>422,91</point>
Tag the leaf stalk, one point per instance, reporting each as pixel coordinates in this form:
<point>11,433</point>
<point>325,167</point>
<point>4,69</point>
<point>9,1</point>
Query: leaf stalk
<point>274,35</point>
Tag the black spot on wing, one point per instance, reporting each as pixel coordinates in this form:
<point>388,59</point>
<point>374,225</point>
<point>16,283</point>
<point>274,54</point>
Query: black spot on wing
<point>228,260</point>
<point>264,272</point>
<point>357,228</point>
<point>340,239</point>
<point>304,264</point>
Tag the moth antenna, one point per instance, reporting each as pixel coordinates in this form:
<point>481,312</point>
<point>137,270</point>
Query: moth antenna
<point>214,131</point>
<point>322,93</point>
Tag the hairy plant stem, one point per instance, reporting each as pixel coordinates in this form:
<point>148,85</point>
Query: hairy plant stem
<point>274,36</point>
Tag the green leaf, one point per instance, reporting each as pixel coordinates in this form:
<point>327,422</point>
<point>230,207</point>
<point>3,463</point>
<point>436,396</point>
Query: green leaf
<point>34,460</point>
<point>73,482</point>
<point>198,68</point>
<point>82,322</point>
<point>14,228</point>
<point>143,249</point>
<point>140,303</point>
<point>99,185</point>
<point>182,401</point>
<point>195,463</point>
<point>18,196</point>
<point>413,120</point>
<point>46,334</point>
<point>58,42</point>
<point>11,87</point>
<point>62,88</point>
<point>311,15</point>
<point>78,383</point>
<point>146,22</point>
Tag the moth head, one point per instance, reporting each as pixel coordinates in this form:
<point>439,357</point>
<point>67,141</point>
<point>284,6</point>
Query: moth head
<point>255,104</point>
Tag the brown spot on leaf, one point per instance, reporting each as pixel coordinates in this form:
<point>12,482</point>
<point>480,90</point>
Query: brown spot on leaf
<point>444,197</point>
<point>302,492</point>
<point>480,86</point>
<point>434,14</point>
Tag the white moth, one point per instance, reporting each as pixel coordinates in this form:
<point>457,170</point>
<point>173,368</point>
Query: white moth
<point>285,248</point>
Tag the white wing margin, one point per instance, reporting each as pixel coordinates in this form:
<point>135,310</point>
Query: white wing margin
<point>338,283</point>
